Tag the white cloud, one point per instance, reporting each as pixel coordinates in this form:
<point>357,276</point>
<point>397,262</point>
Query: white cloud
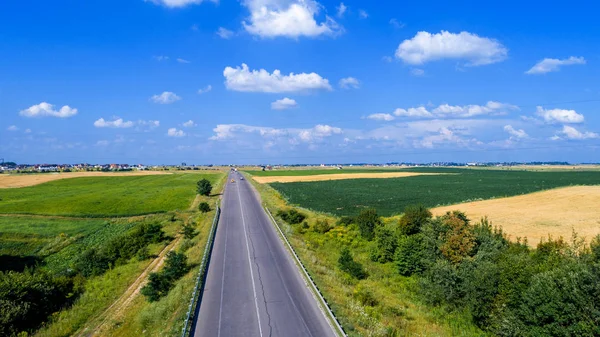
<point>284,103</point>
<point>27,130</point>
<point>224,33</point>
<point>173,132</point>
<point>242,79</point>
<point>117,123</point>
<point>151,124</point>
<point>425,47</point>
<point>381,117</point>
<point>46,109</point>
<point>289,135</point>
<point>161,58</point>
<point>397,24</point>
<point>178,3</point>
<point>341,9</point>
<point>514,133</point>
<point>387,59</point>
<point>205,90</point>
<point>417,72</point>
<point>456,111</point>
<point>572,133</point>
<point>413,112</point>
<point>363,14</point>
<point>12,128</point>
<point>180,60</point>
<point>189,124</point>
<point>349,83</point>
<point>102,143</point>
<point>549,65</point>
<point>273,18</point>
<point>559,116</point>
<point>166,97</point>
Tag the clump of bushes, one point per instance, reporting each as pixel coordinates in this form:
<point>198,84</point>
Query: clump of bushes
<point>321,226</point>
<point>368,220</point>
<point>291,216</point>
<point>160,283</point>
<point>347,264</point>
<point>204,187</point>
<point>204,207</point>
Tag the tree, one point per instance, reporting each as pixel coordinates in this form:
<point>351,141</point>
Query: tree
<point>347,264</point>
<point>204,207</point>
<point>204,187</point>
<point>459,240</point>
<point>175,265</point>
<point>415,216</point>
<point>385,246</point>
<point>188,231</point>
<point>367,220</point>
<point>291,216</point>
<point>158,285</point>
<point>409,255</point>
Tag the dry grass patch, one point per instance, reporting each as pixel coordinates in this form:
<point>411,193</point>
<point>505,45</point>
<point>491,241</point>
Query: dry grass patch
<point>23,180</point>
<point>555,212</point>
<point>341,176</point>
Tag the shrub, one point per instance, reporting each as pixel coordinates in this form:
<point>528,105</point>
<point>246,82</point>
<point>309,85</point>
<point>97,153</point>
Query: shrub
<point>321,226</point>
<point>367,221</point>
<point>291,216</point>
<point>204,207</point>
<point>459,240</point>
<point>364,296</point>
<point>347,264</point>
<point>409,255</point>
<point>385,246</point>
<point>158,285</point>
<point>595,248</point>
<point>345,221</point>
<point>415,216</point>
<point>188,232</point>
<point>204,187</point>
<point>175,265</point>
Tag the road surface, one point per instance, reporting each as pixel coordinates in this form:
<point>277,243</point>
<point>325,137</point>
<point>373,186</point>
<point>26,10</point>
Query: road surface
<point>253,288</point>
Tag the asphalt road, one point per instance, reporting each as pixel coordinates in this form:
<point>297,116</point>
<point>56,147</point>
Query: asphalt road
<point>253,288</point>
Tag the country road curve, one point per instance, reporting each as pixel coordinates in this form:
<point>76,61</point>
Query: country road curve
<point>253,287</point>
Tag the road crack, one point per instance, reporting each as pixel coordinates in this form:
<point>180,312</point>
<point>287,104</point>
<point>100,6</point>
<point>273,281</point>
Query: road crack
<point>262,287</point>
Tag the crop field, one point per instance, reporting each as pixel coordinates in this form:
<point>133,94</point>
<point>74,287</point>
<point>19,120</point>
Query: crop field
<point>340,176</point>
<point>22,180</point>
<point>390,196</point>
<point>312,172</point>
<point>104,196</point>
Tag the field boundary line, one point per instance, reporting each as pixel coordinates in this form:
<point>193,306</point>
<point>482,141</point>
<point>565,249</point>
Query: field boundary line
<point>201,278</point>
<point>339,329</point>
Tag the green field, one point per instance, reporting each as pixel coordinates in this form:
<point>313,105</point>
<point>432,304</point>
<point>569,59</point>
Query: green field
<point>104,196</point>
<point>390,196</point>
<point>311,172</point>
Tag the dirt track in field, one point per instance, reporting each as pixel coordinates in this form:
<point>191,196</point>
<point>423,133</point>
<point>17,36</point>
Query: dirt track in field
<point>556,212</point>
<point>341,176</point>
<point>23,180</point>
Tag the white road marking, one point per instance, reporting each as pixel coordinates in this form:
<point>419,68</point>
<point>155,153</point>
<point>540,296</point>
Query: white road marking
<point>249,261</point>
<point>222,283</point>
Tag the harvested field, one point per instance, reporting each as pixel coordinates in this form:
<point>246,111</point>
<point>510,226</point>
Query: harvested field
<point>340,176</point>
<point>554,212</point>
<point>23,180</point>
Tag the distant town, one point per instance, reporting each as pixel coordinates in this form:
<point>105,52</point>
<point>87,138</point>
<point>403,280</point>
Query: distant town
<point>12,167</point>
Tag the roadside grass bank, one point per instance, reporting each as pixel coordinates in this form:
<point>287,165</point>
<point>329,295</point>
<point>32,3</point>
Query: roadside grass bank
<point>384,304</point>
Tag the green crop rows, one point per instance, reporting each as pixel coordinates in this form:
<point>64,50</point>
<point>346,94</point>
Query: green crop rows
<point>390,196</point>
<point>279,173</point>
<point>104,196</point>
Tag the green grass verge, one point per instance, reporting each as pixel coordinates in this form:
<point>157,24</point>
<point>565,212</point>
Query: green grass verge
<point>390,196</point>
<point>105,196</point>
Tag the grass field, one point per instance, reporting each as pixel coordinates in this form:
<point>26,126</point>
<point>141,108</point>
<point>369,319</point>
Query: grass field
<point>104,196</point>
<point>390,196</point>
<point>31,179</point>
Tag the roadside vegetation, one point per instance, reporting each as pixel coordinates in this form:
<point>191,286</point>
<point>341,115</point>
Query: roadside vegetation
<point>444,276</point>
<point>391,195</point>
<point>63,276</point>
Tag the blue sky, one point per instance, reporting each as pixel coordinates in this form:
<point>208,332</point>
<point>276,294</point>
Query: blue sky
<point>291,81</point>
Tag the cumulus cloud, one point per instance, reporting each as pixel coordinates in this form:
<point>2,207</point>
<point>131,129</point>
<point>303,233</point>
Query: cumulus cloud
<point>341,9</point>
<point>413,112</point>
<point>349,83</point>
<point>514,133</point>
<point>178,3</point>
<point>292,19</point>
<point>242,79</point>
<point>425,47</point>
<point>180,60</point>
<point>456,111</point>
<point>45,109</point>
<point>224,33</point>
<point>161,58</point>
<point>173,132</point>
<point>189,124</point>
<point>284,103</point>
<point>363,14</point>
<point>205,89</point>
<point>166,97</point>
<point>289,135</point>
<point>549,65</point>
<point>381,117</point>
<point>117,123</point>
<point>572,133</point>
<point>559,116</point>
<point>12,128</point>
<point>151,124</point>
